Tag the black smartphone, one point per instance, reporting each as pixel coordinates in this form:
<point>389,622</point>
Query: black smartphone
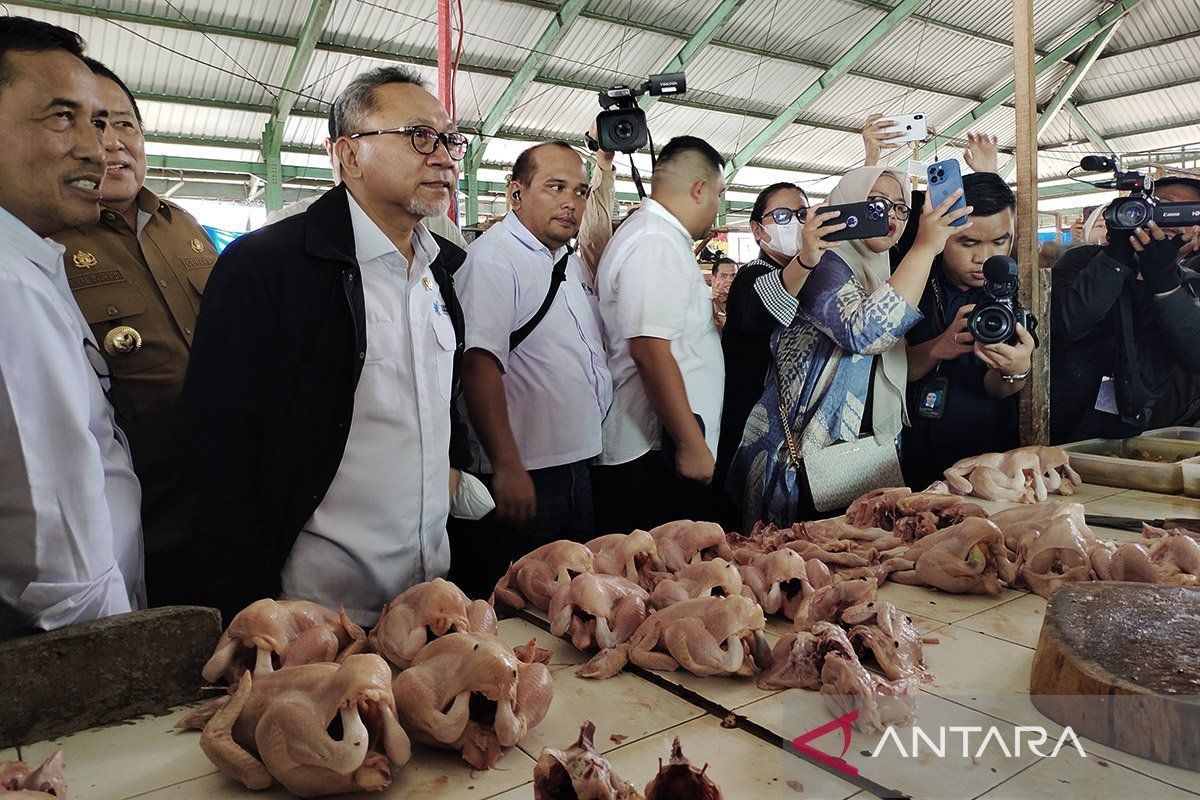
<point>864,220</point>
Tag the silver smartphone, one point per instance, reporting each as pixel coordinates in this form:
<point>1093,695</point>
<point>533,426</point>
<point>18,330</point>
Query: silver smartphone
<point>912,126</point>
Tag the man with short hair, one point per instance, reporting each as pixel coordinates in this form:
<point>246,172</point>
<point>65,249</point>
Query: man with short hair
<point>70,537</point>
<point>962,393</point>
<point>535,375</point>
<point>138,277</point>
<point>724,270</point>
<point>664,350</point>
<point>1125,318</point>
<point>319,395</point>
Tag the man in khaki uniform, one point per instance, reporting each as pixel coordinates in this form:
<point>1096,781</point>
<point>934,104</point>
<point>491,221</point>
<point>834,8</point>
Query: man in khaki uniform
<point>138,277</point>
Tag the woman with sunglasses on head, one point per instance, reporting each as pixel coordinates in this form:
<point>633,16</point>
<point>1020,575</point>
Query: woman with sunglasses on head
<point>761,299</point>
<point>841,361</point>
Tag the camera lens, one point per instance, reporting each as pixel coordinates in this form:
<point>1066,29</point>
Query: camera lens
<point>623,130</point>
<point>1132,213</point>
<point>992,324</point>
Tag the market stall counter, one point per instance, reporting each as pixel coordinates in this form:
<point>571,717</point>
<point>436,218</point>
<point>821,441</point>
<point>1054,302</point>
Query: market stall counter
<point>971,717</point>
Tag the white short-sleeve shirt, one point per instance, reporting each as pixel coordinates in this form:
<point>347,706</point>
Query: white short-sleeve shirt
<point>556,382</point>
<point>650,285</point>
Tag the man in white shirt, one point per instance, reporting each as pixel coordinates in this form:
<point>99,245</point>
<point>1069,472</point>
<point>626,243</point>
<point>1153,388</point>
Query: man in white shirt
<point>70,533</point>
<point>535,375</point>
<point>664,350</point>
<point>319,392</point>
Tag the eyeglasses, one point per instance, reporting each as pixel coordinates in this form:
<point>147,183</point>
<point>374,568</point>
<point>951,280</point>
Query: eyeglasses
<point>783,216</point>
<point>899,209</point>
<point>425,140</point>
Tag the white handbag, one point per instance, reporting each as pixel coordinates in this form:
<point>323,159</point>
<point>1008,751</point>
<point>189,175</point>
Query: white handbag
<point>839,473</point>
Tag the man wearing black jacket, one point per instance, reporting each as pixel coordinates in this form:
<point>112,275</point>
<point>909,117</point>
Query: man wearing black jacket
<point>318,401</point>
<point>1124,318</point>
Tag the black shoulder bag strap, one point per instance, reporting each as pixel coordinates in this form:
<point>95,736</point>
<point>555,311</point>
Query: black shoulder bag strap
<point>556,278</point>
<point>1131,397</point>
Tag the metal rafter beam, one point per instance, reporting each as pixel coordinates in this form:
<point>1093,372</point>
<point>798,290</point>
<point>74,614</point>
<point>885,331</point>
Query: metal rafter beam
<point>564,18</point>
<point>1158,87</point>
<point>426,60</point>
<point>836,70</point>
<point>272,136</point>
<point>1058,54</point>
<point>697,42</point>
<point>1068,87</point>
<point>1088,129</point>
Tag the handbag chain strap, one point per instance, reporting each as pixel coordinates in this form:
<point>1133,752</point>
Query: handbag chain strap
<point>788,433</point>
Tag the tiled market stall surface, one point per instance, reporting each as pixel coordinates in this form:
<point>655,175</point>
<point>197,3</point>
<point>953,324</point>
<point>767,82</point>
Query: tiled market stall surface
<point>981,678</point>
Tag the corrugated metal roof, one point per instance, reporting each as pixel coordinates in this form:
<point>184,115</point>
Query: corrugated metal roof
<point>757,82</point>
<point>1142,69</point>
<point>946,59</point>
<point>158,61</point>
<point>817,31</point>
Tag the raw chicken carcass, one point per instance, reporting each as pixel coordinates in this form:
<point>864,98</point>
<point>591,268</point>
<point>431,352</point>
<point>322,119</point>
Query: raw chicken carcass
<point>19,781</point>
<point>318,729</point>
<point>469,692</point>
<point>684,542</point>
<point>1015,476</point>
<point>579,773</point>
<point>1170,561</point>
<point>1052,542</point>
<point>268,634</point>
<point>597,611</point>
<point>779,581</point>
<point>679,780</point>
<point>847,686</point>
<point>797,659</point>
<point>421,614</point>
<point>893,640</point>
<point>715,578</point>
<point>534,577</point>
<point>633,556</point>
<point>831,603</point>
<point>1056,469</point>
<point>705,636</point>
<point>967,558</point>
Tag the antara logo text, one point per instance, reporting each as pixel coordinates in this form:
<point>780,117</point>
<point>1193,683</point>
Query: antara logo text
<point>975,740</point>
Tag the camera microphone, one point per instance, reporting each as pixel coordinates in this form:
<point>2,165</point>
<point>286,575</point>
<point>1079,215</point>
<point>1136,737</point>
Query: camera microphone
<point>999,269</point>
<point>1098,164</point>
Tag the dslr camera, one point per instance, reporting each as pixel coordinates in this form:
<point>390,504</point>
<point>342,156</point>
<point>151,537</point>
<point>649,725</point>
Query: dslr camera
<point>621,127</point>
<point>1140,206</point>
<point>995,319</point>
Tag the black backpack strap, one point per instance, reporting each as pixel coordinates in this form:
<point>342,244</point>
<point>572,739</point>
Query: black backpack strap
<point>556,278</point>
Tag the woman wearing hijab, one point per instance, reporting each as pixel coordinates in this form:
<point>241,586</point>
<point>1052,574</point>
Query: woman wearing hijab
<point>761,299</point>
<point>843,351</point>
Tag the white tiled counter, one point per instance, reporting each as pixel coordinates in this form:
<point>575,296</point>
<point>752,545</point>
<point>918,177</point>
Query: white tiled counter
<point>980,666</point>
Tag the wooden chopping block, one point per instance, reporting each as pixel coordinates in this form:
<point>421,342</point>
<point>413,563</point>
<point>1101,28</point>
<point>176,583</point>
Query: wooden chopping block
<point>1120,664</point>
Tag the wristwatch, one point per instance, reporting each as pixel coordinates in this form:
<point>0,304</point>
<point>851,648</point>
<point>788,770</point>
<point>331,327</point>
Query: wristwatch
<point>1014,378</point>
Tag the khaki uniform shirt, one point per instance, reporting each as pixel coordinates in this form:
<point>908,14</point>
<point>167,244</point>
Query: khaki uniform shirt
<point>149,280</point>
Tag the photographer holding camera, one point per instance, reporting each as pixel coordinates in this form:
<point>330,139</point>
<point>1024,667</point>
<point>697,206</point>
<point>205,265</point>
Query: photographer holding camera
<point>1125,316</point>
<point>962,393</point>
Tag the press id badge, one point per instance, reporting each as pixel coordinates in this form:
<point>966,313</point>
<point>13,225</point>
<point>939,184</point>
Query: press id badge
<point>1106,398</point>
<point>931,398</point>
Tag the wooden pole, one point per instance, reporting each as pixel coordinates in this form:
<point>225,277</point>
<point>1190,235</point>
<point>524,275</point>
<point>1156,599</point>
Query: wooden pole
<point>1035,288</point>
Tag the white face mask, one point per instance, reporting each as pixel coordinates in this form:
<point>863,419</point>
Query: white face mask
<point>785,239</point>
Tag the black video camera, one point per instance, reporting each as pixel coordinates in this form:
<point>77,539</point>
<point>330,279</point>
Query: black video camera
<point>1140,206</point>
<point>995,320</point>
<point>621,127</point>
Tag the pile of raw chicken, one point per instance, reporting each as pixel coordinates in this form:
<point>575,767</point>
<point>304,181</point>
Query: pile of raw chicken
<point>323,707</point>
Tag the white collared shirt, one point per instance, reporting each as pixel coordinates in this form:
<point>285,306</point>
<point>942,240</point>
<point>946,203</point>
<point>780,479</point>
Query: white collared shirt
<point>70,504</point>
<point>650,285</point>
<point>556,382</point>
<point>381,527</point>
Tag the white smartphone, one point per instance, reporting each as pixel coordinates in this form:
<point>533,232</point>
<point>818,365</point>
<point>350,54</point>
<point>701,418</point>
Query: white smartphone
<point>912,126</point>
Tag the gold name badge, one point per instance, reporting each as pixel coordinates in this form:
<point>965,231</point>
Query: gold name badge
<point>198,245</point>
<point>122,341</point>
<point>84,259</point>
